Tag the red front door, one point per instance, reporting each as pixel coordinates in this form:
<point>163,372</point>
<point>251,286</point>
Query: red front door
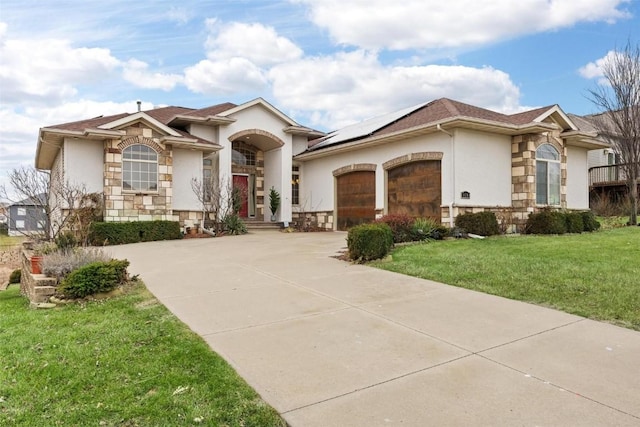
<point>241,190</point>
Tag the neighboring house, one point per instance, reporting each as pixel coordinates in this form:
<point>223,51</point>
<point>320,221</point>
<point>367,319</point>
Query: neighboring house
<point>27,217</point>
<point>606,174</point>
<point>436,159</point>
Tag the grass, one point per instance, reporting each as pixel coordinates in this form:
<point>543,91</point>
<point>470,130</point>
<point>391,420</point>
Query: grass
<point>10,241</point>
<point>126,361</point>
<point>595,275</point>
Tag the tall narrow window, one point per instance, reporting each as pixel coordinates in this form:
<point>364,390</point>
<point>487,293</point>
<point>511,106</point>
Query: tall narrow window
<point>547,175</point>
<point>295,185</point>
<point>139,168</point>
<point>207,179</point>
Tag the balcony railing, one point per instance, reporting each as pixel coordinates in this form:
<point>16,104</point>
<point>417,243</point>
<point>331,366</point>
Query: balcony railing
<point>608,174</point>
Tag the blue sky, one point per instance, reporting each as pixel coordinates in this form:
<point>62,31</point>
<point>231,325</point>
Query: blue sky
<point>326,63</point>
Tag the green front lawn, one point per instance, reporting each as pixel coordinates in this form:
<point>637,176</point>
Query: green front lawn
<point>126,361</point>
<point>596,275</point>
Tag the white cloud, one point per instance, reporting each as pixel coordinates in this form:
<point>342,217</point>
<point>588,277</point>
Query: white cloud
<point>594,69</point>
<point>334,91</point>
<point>48,70</point>
<point>234,75</point>
<point>422,24</point>
<point>135,72</point>
<point>255,42</point>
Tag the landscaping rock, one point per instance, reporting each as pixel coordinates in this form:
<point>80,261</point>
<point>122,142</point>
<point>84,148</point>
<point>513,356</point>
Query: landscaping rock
<point>42,305</point>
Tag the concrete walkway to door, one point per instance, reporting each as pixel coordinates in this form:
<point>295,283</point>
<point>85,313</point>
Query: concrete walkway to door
<point>328,343</point>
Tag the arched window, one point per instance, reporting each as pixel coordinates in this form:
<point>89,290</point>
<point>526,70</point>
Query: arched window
<point>547,175</point>
<point>139,168</point>
<point>242,155</point>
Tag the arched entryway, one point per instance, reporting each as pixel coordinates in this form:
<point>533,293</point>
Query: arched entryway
<point>250,177</point>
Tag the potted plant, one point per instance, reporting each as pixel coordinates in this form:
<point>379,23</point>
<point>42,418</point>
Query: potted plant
<point>274,202</point>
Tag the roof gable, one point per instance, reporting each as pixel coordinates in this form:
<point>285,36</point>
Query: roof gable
<point>264,104</point>
<point>139,117</point>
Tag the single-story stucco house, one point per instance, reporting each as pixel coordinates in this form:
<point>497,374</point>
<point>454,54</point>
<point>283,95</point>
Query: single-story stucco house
<point>436,159</point>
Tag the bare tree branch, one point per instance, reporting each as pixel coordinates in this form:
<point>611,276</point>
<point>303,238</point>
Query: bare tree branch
<point>619,122</point>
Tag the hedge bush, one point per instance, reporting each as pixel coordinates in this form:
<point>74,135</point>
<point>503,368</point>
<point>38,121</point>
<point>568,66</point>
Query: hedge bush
<point>15,276</point>
<point>482,223</point>
<point>367,242</point>
<point>94,278</point>
<point>118,233</point>
<point>574,221</point>
<point>401,226</point>
<point>589,221</point>
<point>546,222</point>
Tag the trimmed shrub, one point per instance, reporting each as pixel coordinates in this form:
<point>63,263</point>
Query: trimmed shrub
<point>367,242</point>
<point>118,233</point>
<point>589,221</point>
<point>401,226</point>
<point>546,222</point>
<point>15,276</point>
<point>59,264</point>
<point>234,225</point>
<point>574,222</point>
<point>94,278</point>
<point>66,241</point>
<point>482,223</point>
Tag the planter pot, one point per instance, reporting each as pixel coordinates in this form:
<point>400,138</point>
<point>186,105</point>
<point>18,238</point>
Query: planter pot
<point>273,218</point>
<point>36,264</point>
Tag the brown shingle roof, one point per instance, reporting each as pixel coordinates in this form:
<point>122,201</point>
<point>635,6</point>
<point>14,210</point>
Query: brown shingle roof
<point>436,111</point>
<point>89,123</point>
<point>211,111</point>
<point>165,114</point>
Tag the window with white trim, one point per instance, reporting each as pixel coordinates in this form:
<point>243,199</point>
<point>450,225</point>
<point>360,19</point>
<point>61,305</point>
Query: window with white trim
<point>295,185</point>
<point>547,175</point>
<point>22,212</point>
<point>20,224</point>
<point>139,168</point>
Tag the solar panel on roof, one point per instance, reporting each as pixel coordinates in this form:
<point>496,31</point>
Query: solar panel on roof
<point>366,127</point>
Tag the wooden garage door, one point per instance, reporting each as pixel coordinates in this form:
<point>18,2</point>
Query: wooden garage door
<point>356,198</point>
<point>415,189</point>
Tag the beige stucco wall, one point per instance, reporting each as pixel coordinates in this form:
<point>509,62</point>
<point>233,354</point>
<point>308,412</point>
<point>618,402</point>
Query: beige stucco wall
<point>577,178</point>
<point>84,160</point>
<point>187,164</point>
<point>483,168</point>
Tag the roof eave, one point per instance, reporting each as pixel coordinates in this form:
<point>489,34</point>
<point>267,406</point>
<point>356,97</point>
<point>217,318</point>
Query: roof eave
<point>54,137</point>
<point>190,143</point>
<point>587,140</point>
<point>181,120</point>
<point>450,123</point>
<point>303,131</point>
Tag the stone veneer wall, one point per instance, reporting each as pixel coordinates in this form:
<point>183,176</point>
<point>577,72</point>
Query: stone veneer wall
<point>319,219</point>
<point>122,205</point>
<point>37,287</point>
<point>523,173</point>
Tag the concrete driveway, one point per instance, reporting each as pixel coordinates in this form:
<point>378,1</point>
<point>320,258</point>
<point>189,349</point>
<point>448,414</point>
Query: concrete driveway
<point>327,343</point>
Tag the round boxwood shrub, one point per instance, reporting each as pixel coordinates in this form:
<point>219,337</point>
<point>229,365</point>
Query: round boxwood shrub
<point>15,276</point>
<point>589,221</point>
<point>574,221</point>
<point>367,242</point>
<point>94,278</point>
<point>546,222</point>
<point>482,223</point>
